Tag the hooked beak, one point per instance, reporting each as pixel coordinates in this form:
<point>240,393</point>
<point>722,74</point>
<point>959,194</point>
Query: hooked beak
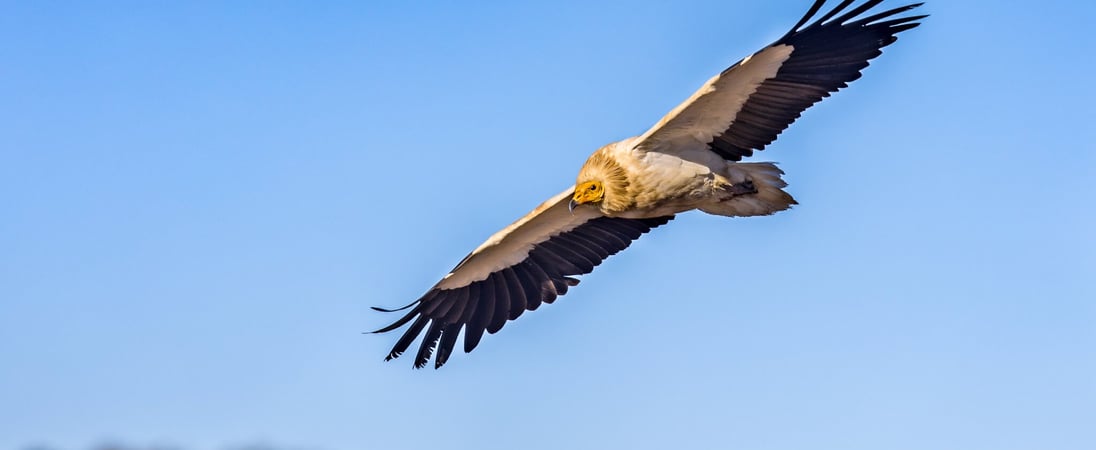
<point>571,206</point>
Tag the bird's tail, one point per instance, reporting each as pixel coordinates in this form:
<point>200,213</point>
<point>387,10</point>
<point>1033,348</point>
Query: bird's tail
<point>756,189</point>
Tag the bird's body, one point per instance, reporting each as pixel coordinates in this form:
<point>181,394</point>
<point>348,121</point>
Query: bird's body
<point>642,184</point>
<point>690,160</point>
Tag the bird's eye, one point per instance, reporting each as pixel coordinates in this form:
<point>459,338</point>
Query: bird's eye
<point>593,187</point>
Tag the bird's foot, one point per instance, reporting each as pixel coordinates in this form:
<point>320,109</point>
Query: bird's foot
<point>743,188</point>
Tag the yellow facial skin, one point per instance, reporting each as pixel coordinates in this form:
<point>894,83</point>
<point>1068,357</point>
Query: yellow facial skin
<point>588,192</point>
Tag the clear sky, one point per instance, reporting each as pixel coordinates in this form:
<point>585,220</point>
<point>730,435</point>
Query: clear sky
<point>200,201</point>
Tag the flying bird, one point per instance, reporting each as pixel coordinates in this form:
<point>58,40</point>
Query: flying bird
<point>690,159</point>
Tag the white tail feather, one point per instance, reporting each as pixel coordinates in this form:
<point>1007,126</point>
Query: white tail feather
<point>770,197</point>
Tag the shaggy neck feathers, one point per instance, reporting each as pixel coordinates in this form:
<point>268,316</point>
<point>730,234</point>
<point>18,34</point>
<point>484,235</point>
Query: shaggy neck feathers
<point>601,166</point>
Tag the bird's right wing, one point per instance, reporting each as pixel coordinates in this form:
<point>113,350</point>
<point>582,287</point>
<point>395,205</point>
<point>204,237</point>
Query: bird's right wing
<point>530,262</point>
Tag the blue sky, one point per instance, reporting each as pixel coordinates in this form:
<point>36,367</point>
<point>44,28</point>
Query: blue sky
<point>200,202</point>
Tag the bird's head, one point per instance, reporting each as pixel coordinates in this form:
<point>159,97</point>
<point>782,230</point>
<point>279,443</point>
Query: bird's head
<point>602,183</point>
<point>588,192</point>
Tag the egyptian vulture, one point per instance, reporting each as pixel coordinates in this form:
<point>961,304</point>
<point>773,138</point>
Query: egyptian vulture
<point>688,160</point>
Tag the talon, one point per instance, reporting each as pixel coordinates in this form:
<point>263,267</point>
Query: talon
<point>743,188</point>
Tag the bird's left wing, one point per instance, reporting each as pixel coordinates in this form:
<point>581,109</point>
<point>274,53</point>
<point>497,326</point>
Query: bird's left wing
<point>530,262</point>
<point>745,107</point>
